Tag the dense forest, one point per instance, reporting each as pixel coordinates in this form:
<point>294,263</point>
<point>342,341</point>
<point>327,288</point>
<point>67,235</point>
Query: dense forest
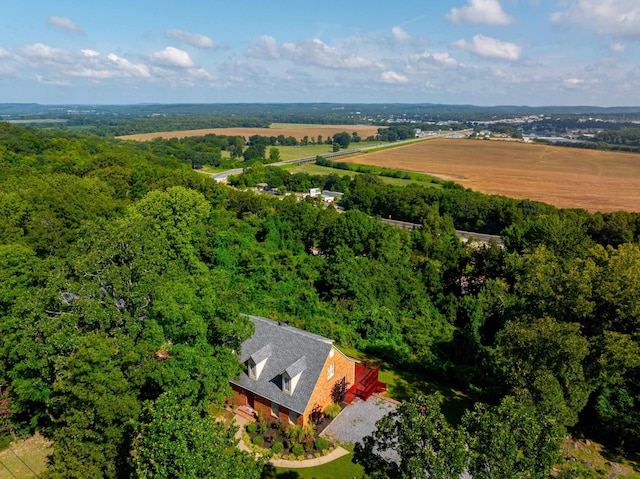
<point>123,274</point>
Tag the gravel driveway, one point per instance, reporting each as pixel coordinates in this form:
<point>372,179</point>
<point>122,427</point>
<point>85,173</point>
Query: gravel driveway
<point>358,420</point>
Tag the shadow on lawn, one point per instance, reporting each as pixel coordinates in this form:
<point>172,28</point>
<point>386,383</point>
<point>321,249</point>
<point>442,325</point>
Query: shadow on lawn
<point>269,472</point>
<point>403,384</point>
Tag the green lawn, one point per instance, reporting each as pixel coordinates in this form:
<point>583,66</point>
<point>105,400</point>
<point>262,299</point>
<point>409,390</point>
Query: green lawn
<point>341,468</point>
<point>403,384</point>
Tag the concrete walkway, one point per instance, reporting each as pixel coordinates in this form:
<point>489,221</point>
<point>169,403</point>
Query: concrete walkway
<point>316,461</point>
<point>338,452</point>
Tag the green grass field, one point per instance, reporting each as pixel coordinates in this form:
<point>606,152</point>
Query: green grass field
<point>341,468</point>
<point>314,169</point>
<point>295,152</point>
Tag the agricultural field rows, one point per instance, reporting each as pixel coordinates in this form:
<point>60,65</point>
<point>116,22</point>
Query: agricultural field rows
<point>297,131</point>
<point>565,177</point>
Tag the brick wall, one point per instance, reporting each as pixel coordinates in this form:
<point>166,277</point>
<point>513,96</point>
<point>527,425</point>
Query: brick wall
<point>343,367</point>
<point>263,405</point>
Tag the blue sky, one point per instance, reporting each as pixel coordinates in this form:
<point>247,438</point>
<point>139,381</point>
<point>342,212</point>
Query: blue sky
<point>483,52</point>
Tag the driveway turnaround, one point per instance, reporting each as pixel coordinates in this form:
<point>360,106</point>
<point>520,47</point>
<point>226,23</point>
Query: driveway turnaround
<point>358,420</point>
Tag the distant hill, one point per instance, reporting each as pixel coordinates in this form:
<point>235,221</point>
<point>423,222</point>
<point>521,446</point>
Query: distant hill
<point>34,110</point>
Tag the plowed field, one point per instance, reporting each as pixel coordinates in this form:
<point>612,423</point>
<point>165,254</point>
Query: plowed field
<point>561,176</point>
<point>297,132</point>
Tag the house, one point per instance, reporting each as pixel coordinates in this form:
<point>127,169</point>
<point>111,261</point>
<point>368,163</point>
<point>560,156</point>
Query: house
<point>290,372</point>
<point>331,196</point>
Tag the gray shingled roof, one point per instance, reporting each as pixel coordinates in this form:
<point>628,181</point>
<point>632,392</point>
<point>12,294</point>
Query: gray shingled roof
<point>292,350</point>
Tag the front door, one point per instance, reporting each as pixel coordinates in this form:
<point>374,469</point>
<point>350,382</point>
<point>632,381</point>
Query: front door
<point>251,400</point>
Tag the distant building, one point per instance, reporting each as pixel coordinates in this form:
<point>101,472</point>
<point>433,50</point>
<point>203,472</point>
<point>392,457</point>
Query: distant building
<point>331,196</point>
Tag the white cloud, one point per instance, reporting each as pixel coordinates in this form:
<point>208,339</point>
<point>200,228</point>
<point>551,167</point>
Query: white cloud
<point>490,47</point>
<point>393,77</point>
<point>573,82</point>
<point>265,47</point>
<point>195,39</point>
<point>617,17</point>
<point>129,68</point>
<point>64,24</point>
<point>315,52</point>
<point>480,11</point>
<point>41,54</point>
<point>617,47</point>
<point>90,53</point>
<point>47,81</point>
<point>40,50</point>
<point>172,57</point>
<point>439,59</point>
<point>400,35</point>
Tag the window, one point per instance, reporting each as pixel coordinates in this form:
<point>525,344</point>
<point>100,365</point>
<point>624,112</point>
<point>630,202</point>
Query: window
<point>286,383</point>
<point>275,409</point>
<point>331,370</point>
<point>251,368</point>
<point>293,417</point>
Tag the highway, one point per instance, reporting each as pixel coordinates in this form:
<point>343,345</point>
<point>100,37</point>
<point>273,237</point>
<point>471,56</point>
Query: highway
<point>465,236</point>
<point>310,159</point>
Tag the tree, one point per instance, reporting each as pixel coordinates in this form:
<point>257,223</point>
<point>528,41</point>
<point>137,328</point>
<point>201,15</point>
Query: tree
<point>235,149</point>
<point>543,362</point>
<point>511,440</point>
<point>343,139</point>
<point>254,152</point>
<point>414,441</point>
<point>173,440</point>
<point>274,154</point>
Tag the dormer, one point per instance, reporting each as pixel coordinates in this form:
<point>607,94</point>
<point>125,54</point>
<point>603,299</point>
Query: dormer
<point>256,362</point>
<point>291,375</point>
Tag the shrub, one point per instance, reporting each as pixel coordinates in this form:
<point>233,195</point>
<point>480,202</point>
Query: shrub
<point>262,428</point>
<point>316,415</point>
<point>332,410</point>
<point>252,428</point>
<point>297,450</point>
<point>277,448</point>
<point>295,433</point>
<point>308,444</point>
<point>258,440</point>
<point>320,443</point>
<point>338,392</point>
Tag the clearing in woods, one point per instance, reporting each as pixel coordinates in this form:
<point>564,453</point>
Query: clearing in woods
<point>565,177</point>
<point>297,131</point>
<point>25,458</point>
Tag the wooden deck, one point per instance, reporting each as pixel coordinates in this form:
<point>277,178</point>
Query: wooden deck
<point>366,383</point>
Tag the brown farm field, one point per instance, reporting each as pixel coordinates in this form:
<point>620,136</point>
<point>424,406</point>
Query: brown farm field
<point>565,177</point>
<point>297,131</point>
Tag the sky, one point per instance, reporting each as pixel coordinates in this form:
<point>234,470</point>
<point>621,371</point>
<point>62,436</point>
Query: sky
<point>481,52</point>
